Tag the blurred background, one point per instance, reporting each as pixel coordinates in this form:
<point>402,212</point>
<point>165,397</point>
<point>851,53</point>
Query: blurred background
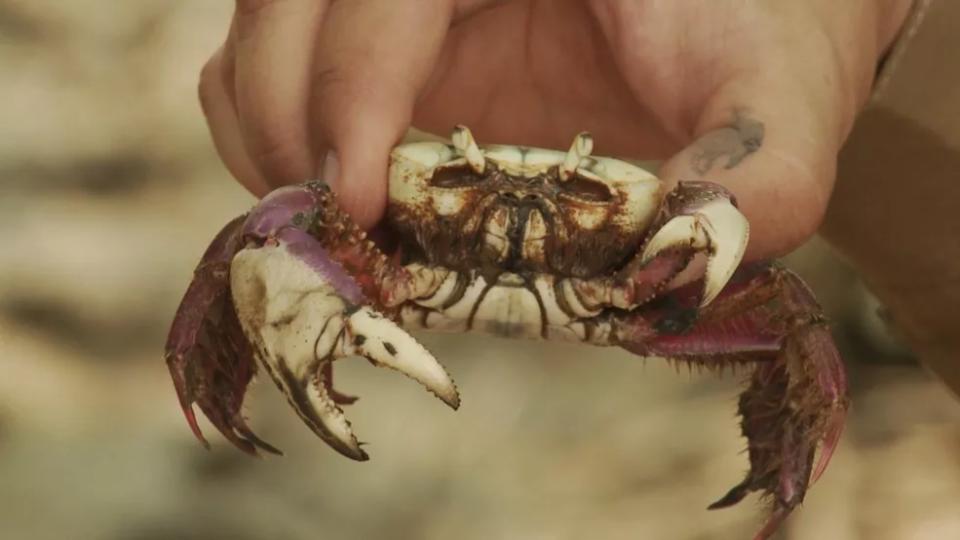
<point>110,190</point>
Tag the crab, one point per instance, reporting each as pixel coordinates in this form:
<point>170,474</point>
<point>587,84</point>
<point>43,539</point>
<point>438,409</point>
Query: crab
<point>514,242</point>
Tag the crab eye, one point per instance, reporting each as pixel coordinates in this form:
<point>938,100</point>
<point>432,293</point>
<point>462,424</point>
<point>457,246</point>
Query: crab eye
<point>585,189</point>
<point>454,177</point>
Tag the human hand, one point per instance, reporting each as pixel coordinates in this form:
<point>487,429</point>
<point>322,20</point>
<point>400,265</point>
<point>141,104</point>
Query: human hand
<point>758,96</point>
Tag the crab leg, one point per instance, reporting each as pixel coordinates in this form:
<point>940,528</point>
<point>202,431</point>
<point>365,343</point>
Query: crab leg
<point>207,354</point>
<point>797,399</point>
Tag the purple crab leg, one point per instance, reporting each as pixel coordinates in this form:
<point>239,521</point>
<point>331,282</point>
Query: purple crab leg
<point>209,359</point>
<point>204,298</point>
<point>767,319</point>
<point>210,280</point>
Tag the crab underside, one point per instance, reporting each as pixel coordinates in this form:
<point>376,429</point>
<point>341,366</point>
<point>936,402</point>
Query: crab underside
<point>514,242</point>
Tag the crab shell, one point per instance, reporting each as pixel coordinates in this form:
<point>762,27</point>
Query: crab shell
<point>578,224</point>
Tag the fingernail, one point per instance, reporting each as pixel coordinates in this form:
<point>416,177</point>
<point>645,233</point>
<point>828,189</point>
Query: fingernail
<point>330,171</point>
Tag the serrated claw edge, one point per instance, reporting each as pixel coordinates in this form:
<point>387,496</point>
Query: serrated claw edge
<point>385,344</point>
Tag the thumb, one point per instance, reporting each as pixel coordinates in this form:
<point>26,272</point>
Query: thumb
<point>372,60</point>
<point>777,155</point>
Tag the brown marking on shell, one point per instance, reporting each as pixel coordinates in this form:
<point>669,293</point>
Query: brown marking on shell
<point>582,237</point>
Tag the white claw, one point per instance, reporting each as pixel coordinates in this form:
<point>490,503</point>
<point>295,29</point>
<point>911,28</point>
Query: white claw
<point>581,148</point>
<point>388,345</point>
<point>717,227</point>
<point>465,144</point>
<point>296,322</point>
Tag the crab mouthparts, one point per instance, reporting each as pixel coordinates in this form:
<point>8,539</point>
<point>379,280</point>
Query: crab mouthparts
<point>515,233</point>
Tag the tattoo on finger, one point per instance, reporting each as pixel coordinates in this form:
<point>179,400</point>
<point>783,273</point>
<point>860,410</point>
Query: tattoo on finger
<point>734,142</point>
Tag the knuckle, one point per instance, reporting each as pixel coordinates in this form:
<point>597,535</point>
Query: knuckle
<point>342,91</point>
<point>216,80</point>
<point>363,80</point>
<point>247,8</point>
<point>279,155</point>
<point>331,78</point>
<point>334,93</point>
<point>208,83</point>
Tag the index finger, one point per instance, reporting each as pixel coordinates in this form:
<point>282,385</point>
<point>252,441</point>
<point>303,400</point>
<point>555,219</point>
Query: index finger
<point>274,41</point>
<point>372,60</point>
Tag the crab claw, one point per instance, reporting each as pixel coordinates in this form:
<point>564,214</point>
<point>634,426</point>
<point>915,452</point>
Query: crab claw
<point>301,310</point>
<point>705,218</point>
<point>385,344</point>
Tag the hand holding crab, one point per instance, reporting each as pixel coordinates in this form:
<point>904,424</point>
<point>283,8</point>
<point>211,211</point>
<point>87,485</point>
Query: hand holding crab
<point>732,93</point>
<point>515,242</point>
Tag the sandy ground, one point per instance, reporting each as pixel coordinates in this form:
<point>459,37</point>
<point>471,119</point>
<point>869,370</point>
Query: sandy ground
<point>109,190</point>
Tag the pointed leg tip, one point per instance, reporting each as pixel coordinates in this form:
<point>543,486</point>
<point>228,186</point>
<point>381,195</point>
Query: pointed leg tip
<point>716,505</point>
<point>273,451</point>
<point>246,447</point>
<point>203,440</point>
<point>732,497</point>
<point>773,523</point>
<point>342,399</point>
<point>260,443</point>
<point>191,416</point>
<point>721,504</point>
<point>829,444</point>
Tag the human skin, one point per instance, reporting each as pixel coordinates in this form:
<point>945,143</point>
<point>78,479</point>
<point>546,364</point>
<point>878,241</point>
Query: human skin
<point>758,96</point>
